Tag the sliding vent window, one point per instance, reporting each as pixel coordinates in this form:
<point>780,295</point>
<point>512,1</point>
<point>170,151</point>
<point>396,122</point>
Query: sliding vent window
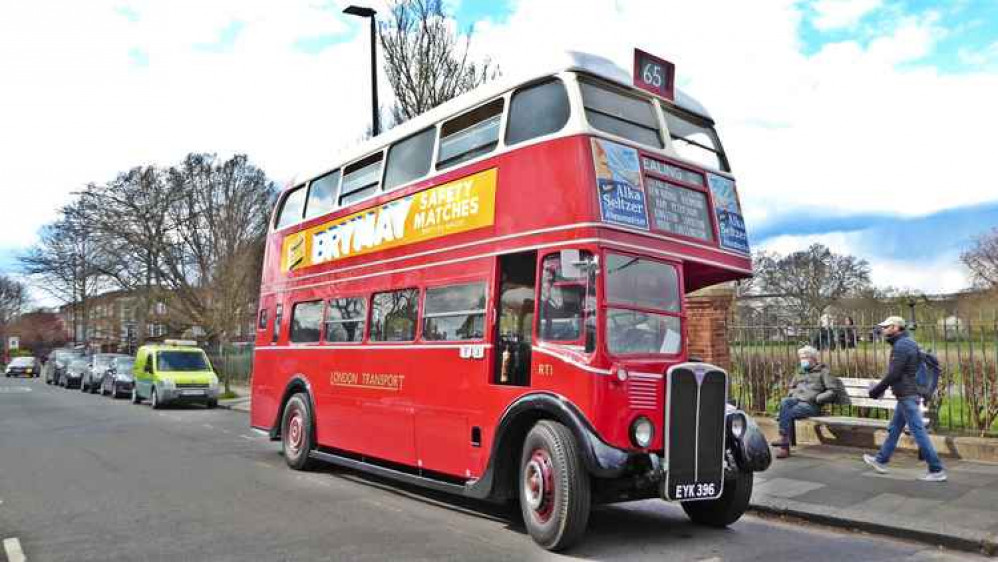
<point>292,207</point>
<point>306,317</point>
<point>694,139</point>
<point>360,179</point>
<point>322,195</point>
<point>537,110</point>
<point>454,313</point>
<point>471,135</point>
<point>410,158</point>
<point>617,113</point>
<point>393,316</point>
<point>345,320</point>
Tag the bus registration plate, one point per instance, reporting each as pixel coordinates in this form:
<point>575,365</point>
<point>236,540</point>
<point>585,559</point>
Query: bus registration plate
<point>695,491</point>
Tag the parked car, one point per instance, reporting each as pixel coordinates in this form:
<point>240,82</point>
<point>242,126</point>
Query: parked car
<point>73,376</point>
<point>23,366</point>
<point>96,367</point>
<point>175,371</point>
<point>118,380</point>
<point>58,362</point>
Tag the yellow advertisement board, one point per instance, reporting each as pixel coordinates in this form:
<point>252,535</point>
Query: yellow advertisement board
<point>457,206</point>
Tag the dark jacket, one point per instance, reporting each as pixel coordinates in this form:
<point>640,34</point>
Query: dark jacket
<point>903,366</point>
<point>816,386</point>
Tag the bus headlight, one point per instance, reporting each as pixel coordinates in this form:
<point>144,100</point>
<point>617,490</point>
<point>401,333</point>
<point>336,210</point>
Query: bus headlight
<point>736,425</point>
<point>621,373</point>
<point>642,432</point>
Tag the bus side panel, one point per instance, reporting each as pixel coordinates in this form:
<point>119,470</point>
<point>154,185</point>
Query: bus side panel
<point>364,401</point>
<point>264,391</point>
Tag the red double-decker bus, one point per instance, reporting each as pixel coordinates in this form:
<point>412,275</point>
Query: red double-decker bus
<point>489,300</point>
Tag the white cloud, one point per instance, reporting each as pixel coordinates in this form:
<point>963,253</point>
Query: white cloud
<point>855,127</point>
<point>837,14</point>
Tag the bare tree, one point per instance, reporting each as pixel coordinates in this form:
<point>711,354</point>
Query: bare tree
<point>426,62</point>
<point>12,300</point>
<point>810,280</point>
<point>982,260</point>
<point>214,252</point>
<point>63,262</point>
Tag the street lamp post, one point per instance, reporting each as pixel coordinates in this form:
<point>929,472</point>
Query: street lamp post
<point>363,12</point>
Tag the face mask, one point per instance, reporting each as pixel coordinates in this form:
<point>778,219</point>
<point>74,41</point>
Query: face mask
<point>805,364</point>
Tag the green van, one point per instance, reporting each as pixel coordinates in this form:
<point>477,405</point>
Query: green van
<point>172,372</point>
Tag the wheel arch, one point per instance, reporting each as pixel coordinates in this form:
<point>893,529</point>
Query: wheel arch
<point>499,480</point>
<point>297,383</point>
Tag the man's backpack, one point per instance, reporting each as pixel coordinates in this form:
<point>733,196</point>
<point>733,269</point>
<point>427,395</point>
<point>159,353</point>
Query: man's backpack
<point>927,375</point>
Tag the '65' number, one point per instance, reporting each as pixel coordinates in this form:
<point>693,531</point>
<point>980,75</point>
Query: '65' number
<point>652,74</point>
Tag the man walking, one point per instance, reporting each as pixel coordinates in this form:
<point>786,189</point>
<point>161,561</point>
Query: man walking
<point>901,380</point>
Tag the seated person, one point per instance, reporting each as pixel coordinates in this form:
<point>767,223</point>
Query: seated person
<point>812,387</point>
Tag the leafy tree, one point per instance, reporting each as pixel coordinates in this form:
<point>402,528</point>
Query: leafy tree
<point>12,300</point>
<point>426,62</point>
<point>809,281</point>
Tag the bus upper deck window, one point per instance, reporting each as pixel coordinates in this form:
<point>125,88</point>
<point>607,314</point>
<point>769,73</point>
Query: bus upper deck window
<point>410,158</point>
<point>360,179</point>
<point>537,110</point>
<point>695,139</point>
<point>470,135</point>
<point>291,207</point>
<point>621,114</point>
<point>322,194</point>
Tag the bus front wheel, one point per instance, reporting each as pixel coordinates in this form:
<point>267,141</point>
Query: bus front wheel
<point>554,486</point>
<point>726,509</point>
<point>296,432</point>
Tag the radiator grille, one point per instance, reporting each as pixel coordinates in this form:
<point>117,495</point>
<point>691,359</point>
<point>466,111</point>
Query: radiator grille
<point>695,404</point>
<point>642,391</point>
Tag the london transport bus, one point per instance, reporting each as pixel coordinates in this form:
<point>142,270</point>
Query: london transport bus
<point>489,300</point>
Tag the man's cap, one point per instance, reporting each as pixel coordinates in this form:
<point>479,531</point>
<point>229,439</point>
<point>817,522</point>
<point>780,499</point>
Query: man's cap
<point>893,321</point>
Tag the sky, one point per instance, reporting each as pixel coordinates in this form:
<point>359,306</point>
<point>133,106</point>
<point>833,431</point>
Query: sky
<point>860,124</point>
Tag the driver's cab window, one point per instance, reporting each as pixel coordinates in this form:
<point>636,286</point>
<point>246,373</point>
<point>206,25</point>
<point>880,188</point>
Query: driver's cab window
<point>568,298</point>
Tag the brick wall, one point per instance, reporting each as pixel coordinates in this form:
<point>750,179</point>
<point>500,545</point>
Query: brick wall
<point>707,313</point>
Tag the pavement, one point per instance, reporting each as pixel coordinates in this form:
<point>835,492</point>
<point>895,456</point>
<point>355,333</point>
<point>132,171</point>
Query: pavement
<point>832,485</point>
<point>84,477</point>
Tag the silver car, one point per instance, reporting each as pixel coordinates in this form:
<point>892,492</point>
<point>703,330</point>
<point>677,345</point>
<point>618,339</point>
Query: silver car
<point>73,376</point>
<point>118,379</point>
<point>98,364</point>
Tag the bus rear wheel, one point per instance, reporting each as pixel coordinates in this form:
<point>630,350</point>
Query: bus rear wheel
<point>726,509</point>
<point>296,432</point>
<point>554,487</point>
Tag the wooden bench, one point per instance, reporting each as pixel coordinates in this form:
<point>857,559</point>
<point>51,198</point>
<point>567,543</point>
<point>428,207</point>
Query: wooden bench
<point>858,390</point>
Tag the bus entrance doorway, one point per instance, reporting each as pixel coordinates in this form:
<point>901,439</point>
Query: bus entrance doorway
<point>514,327</point>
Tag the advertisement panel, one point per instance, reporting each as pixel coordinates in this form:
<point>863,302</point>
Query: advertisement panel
<point>729,213</point>
<point>464,204</point>
<point>618,184</point>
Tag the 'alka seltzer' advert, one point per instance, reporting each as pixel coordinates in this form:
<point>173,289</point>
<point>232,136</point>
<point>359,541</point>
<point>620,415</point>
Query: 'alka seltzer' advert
<point>618,182</point>
<point>457,206</point>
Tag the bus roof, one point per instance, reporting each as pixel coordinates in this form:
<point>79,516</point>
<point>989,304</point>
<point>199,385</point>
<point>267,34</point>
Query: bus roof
<point>564,62</point>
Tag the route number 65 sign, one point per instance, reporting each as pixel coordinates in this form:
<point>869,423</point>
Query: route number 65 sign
<point>655,75</point>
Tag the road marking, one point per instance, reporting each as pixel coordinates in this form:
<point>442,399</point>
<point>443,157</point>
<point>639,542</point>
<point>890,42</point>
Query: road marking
<point>14,389</point>
<point>12,547</point>
<point>208,425</point>
<point>247,437</point>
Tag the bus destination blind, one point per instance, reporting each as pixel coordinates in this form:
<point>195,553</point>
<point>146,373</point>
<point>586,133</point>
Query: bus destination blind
<point>679,210</point>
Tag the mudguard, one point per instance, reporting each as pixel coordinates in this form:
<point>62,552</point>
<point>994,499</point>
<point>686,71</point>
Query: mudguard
<point>752,453</point>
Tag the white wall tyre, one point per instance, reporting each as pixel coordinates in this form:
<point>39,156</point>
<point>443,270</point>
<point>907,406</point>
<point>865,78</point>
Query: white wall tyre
<point>728,508</point>
<point>553,487</point>
<point>154,399</point>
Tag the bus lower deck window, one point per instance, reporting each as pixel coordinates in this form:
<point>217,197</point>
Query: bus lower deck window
<point>454,313</point>
<point>345,320</point>
<point>306,317</point>
<point>393,315</point>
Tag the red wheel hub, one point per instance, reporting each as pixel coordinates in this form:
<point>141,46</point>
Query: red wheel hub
<point>296,431</point>
<point>539,485</point>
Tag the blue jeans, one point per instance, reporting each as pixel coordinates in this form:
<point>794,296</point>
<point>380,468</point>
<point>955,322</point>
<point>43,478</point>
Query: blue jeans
<point>908,413</point>
<point>793,409</point>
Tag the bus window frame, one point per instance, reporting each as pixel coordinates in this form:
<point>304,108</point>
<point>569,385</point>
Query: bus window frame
<point>603,304</point>
<point>454,283</point>
<point>336,195</point>
<point>603,83</point>
<point>367,299</point>
<point>377,185</point>
<point>275,224</point>
<point>580,342</point>
<point>699,121</point>
<point>322,322</point>
<point>417,329</point>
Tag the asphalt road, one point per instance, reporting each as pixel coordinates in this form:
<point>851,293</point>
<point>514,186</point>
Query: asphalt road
<point>84,477</point>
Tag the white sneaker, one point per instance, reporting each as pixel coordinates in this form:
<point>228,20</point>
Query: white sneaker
<point>934,476</point>
<point>878,466</point>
